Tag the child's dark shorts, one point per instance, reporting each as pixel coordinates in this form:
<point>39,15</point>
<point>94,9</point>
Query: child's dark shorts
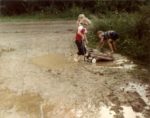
<point>114,36</point>
<point>81,47</point>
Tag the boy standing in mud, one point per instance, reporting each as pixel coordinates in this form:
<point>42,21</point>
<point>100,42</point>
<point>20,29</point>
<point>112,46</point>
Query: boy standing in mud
<point>109,37</point>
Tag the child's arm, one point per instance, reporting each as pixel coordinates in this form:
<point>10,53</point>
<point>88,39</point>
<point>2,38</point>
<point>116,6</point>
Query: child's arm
<point>101,42</point>
<point>114,45</point>
<point>85,38</point>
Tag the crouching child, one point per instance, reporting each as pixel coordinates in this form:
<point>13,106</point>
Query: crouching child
<point>108,37</point>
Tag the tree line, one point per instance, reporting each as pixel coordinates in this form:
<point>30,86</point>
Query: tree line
<point>17,7</point>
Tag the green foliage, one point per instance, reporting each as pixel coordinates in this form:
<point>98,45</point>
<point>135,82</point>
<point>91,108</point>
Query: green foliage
<point>133,29</point>
<point>123,23</point>
<point>104,6</point>
<point>73,12</point>
<point>17,7</point>
<point>48,13</point>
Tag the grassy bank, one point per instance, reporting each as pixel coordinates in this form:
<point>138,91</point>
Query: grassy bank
<point>133,29</point>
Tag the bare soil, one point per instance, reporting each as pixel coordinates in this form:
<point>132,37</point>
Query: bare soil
<point>39,79</point>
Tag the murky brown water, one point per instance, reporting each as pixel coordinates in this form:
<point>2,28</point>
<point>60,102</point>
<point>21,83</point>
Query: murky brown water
<point>27,103</point>
<point>51,61</point>
<point>38,78</point>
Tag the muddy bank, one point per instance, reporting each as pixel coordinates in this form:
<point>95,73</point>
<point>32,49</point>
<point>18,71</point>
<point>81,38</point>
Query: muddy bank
<point>39,79</point>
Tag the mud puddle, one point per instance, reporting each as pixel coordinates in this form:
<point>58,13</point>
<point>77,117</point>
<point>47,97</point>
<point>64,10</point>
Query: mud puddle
<point>56,61</point>
<point>52,61</point>
<point>13,105</point>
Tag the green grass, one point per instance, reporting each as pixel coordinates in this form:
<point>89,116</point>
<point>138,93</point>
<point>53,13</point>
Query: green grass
<point>133,30</point>
<point>32,17</point>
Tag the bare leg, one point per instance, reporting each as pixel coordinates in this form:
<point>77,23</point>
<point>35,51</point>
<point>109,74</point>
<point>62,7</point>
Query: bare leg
<point>110,45</point>
<point>114,45</point>
<point>101,44</point>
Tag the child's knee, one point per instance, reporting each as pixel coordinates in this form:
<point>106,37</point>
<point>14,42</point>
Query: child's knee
<point>110,41</point>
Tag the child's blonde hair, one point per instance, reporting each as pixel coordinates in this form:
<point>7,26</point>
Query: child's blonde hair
<point>82,19</point>
<point>85,21</point>
<point>81,16</point>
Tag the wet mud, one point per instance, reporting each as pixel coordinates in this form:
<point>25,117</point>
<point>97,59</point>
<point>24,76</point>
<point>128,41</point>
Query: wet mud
<point>13,105</point>
<point>52,61</point>
<point>39,79</point>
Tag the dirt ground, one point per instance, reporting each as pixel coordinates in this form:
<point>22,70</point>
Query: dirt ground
<point>39,79</point>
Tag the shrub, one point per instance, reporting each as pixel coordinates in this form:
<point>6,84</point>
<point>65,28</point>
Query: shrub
<point>133,28</point>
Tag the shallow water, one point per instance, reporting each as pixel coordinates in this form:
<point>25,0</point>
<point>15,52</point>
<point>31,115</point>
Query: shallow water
<point>51,61</point>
